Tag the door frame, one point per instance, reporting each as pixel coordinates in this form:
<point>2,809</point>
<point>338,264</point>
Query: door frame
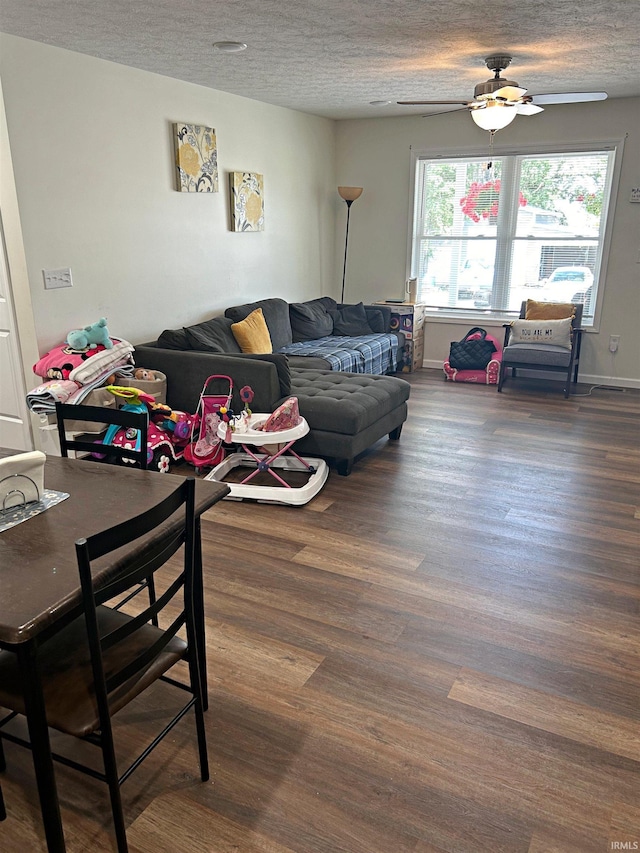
<point>16,270</point>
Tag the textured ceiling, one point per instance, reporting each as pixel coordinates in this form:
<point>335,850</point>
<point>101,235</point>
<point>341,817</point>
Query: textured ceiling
<point>332,57</point>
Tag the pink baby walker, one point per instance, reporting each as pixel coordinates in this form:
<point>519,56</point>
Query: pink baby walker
<point>205,450</point>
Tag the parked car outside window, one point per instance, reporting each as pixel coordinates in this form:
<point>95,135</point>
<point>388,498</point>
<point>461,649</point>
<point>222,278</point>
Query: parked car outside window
<point>482,296</point>
<point>567,284</point>
<point>474,275</point>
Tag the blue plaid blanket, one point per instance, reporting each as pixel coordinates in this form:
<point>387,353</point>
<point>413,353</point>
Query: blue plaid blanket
<point>374,354</point>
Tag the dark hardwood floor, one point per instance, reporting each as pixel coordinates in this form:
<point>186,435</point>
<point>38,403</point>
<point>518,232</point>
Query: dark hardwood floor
<point>438,653</point>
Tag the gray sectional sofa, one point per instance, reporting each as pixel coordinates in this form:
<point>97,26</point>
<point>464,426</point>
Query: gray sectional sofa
<point>346,412</point>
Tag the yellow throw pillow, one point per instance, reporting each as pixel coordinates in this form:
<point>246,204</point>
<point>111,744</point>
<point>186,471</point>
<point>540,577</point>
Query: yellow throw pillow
<point>252,333</point>
<point>549,310</point>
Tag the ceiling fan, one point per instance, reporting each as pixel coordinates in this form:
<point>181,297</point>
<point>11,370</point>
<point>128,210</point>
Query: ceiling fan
<point>498,101</point>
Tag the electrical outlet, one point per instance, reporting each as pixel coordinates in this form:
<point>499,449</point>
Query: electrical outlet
<point>614,343</point>
<point>57,278</point>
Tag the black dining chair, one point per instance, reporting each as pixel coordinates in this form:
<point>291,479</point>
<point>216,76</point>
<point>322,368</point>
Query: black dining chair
<point>68,414</point>
<point>137,422</point>
<point>105,658</point>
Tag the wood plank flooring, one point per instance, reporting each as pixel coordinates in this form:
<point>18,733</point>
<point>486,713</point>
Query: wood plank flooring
<point>441,652</point>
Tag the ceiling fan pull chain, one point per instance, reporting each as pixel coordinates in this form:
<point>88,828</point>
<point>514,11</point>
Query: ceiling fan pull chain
<point>492,133</point>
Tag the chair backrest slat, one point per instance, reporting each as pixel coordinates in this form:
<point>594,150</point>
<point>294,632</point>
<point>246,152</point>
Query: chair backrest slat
<point>96,414</point>
<point>157,554</point>
<point>121,534</point>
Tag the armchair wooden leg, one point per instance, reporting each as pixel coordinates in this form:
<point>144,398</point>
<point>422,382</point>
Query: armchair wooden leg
<point>567,386</point>
<point>501,375</point>
<point>572,378</point>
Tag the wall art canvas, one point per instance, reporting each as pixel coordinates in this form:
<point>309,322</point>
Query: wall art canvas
<point>247,201</point>
<point>196,158</point>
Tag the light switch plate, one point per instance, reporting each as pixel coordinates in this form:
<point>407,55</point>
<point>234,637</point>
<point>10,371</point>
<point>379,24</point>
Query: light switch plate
<point>57,278</point>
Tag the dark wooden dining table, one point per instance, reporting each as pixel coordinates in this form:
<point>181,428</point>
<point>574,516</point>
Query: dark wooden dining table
<point>40,586</point>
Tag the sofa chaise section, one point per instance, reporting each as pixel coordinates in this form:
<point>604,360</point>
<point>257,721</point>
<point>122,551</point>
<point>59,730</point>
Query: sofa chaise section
<point>347,412</point>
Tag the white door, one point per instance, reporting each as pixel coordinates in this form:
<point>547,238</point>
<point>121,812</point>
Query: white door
<point>15,428</point>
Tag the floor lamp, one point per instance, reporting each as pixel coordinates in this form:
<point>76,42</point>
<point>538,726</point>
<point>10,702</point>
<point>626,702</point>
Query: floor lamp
<point>349,194</point>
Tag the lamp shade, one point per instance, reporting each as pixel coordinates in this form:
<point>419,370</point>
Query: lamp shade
<point>350,193</point>
<point>494,116</point>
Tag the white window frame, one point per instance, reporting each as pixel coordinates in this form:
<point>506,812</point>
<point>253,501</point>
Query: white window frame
<point>457,315</point>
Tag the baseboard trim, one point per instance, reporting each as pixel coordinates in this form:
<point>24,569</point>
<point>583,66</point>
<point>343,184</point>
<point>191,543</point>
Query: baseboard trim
<point>583,378</point>
<point>609,381</point>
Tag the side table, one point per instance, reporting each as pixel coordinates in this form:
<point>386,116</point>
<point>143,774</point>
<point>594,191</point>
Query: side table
<point>266,452</point>
<point>408,318</point>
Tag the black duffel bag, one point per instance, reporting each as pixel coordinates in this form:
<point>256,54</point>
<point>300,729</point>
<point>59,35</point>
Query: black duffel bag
<point>471,355</point>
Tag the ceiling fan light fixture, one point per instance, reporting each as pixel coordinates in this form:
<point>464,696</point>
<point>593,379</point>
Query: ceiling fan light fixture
<point>494,116</point>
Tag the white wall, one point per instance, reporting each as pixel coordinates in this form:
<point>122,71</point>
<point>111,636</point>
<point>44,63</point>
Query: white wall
<point>376,154</point>
<point>93,157</point>
<point>92,150</point>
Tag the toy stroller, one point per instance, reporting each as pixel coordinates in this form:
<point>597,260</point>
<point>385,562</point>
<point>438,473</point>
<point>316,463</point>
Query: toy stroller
<point>206,450</point>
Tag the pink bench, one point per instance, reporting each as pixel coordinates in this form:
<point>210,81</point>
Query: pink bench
<point>488,376</point>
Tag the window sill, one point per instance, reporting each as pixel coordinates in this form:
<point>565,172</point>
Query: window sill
<point>464,315</point>
<point>457,316</point>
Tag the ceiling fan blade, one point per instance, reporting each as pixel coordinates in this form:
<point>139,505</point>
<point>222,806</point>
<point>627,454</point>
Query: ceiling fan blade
<point>509,93</point>
<point>569,98</point>
<point>443,112</point>
<point>417,103</point>
<point>528,109</point>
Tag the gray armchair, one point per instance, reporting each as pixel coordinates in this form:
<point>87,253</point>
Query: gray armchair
<point>546,357</point>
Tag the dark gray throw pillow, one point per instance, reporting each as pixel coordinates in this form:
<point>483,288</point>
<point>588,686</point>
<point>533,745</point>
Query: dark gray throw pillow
<point>375,319</point>
<point>311,320</point>
<point>174,339</point>
<point>351,320</point>
<point>213,335</point>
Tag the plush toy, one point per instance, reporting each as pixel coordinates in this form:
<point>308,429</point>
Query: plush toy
<point>90,336</point>
<point>143,373</point>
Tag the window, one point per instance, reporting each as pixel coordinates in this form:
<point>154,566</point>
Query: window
<point>527,227</point>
